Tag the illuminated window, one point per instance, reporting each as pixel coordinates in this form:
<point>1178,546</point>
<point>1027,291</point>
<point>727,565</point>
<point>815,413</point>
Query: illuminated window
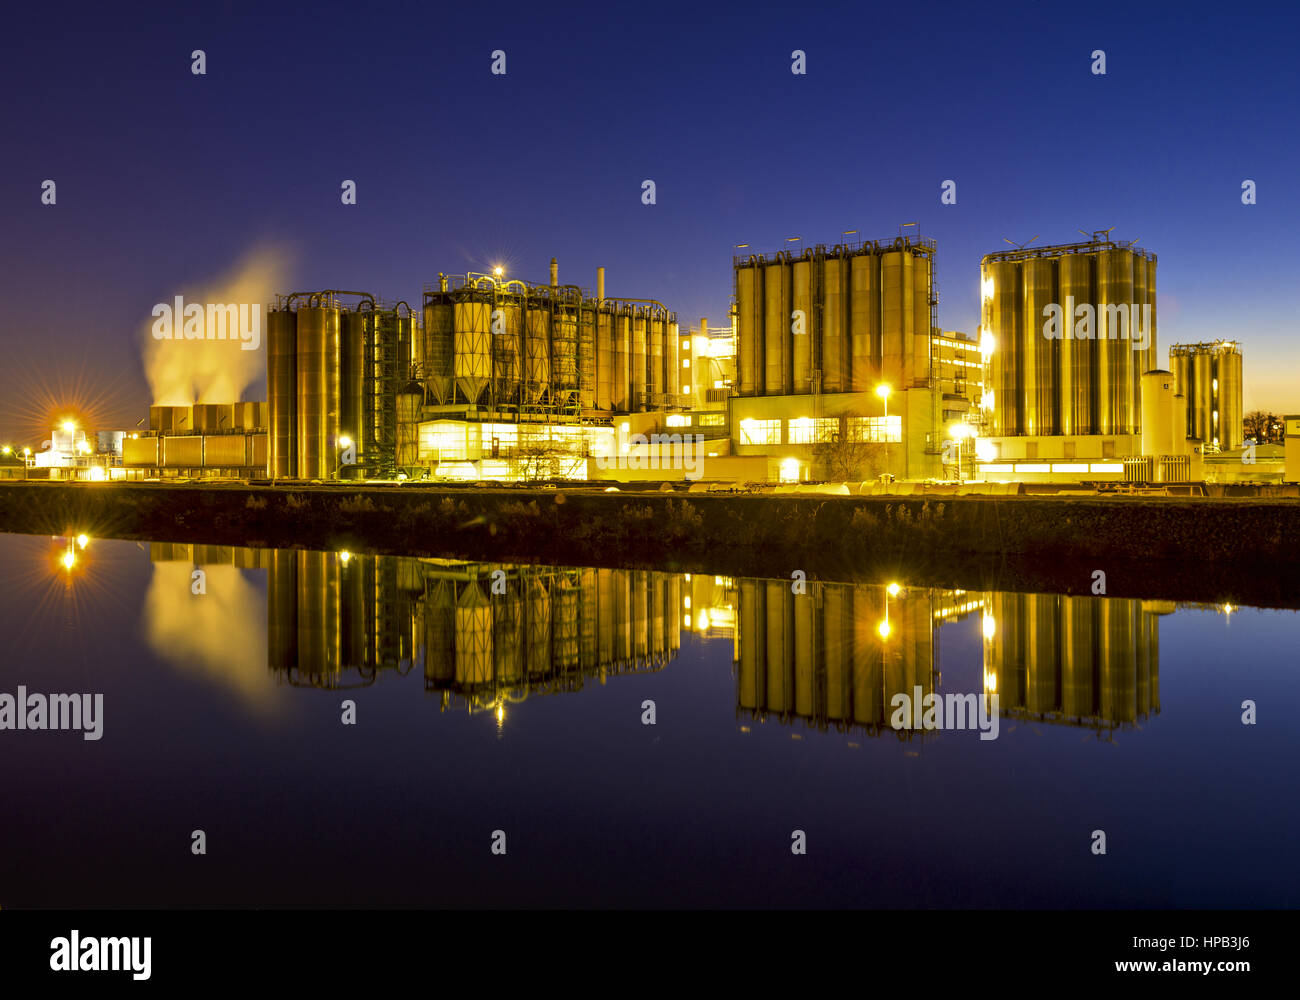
<point>678,420</point>
<point>760,431</point>
<point>686,362</point>
<point>686,388</point>
<point>711,419</point>
<point>718,383</point>
<point>807,430</point>
<point>876,429</point>
<point>686,345</point>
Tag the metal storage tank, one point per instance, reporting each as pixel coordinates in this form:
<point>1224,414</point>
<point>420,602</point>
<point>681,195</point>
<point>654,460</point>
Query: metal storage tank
<point>918,348</point>
<point>1076,372</point>
<point>1119,666</point>
<point>318,391</point>
<point>638,357</point>
<point>408,429</point>
<point>318,638</point>
<point>896,316</point>
<point>439,348</point>
<point>537,351</point>
<point>472,360</point>
<point>1202,397</point>
<point>656,381</point>
<point>673,369</point>
<point>806,640</point>
<point>864,321</point>
<point>1004,312</point>
<point>604,360</point>
<point>777,339</point>
<point>869,695</point>
<point>182,452</point>
<point>1115,389</point>
<point>1231,433</point>
<point>353,335</point>
<point>1157,413</point>
<point>1153,355</point>
<point>1041,355</point>
<point>1138,358</point>
<point>586,356</point>
<point>508,636</point>
<point>835,322</point>
<point>507,352</point>
<point>801,350</point>
<point>564,353</point>
<point>837,655</point>
<point>779,603</point>
<point>1178,428</point>
<point>621,333</point>
<point>749,328</point>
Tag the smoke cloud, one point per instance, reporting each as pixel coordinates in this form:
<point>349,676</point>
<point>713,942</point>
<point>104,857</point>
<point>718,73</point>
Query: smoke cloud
<point>181,372</point>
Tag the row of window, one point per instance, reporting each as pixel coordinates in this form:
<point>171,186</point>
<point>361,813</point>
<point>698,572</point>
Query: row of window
<point>822,430</point>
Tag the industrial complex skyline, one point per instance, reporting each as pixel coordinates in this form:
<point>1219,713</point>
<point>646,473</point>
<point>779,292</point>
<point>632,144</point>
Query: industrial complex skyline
<point>193,174</point>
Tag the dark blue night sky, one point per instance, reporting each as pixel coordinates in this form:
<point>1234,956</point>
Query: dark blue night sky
<point>166,180</point>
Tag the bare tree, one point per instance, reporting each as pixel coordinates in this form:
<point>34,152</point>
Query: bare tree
<point>845,457</point>
<point>1254,425</point>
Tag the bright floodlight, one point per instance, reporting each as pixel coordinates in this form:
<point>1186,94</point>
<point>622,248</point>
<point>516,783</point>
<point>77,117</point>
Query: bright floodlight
<point>990,627</point>
<point>83,541</point>
<point>985,450</point>
<point>987,342</point>
<point>498,270</point>
<point>69,425</point>
<point>893,589</point>
<point>884,629</point>
<point>883,391</point>
<point>345,442</point>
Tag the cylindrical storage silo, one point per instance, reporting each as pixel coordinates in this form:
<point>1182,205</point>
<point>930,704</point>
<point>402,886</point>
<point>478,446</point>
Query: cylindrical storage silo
<point>1119,666</point>
<point>639,358</point>
<point>587,356</point>
<point>749,328</point>
<point>1041,355</point>
<point>776,328</point>
<point>1157,413</point>
<point>1114,346</point>
<point>1139,335</point>
<point>1178,426</point>
<point>895,316</point>
<point>564,353</point>
<point>620,391</point>
<point>604,358</point>
<point>656,380</point>
<point>408,428</point>
<point>537,351</point>
<point>282,610</point>
<point>802,323</point>
<point>673,362</point>
<point>1153,355</point>
<point>864,321</point>
<point>472,358</point>
<point>318,637</point>
<point>473,637</point>
<point>1202,397</point>
<point>507,352</point>
<point>1230,390</point>
<point>318,391</point>
<point>1003,315</point>
<point>1076,374</point>
<point>834,323</point>
<point>353,334</point>
<point>282,391</point>
<point>916,369</point>
<point>439,348</point>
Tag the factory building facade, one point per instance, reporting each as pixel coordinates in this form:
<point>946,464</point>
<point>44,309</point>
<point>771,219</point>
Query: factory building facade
<point>833,358</point>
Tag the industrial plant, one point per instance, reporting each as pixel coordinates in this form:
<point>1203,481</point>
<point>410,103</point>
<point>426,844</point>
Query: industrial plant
<point>833,368</point>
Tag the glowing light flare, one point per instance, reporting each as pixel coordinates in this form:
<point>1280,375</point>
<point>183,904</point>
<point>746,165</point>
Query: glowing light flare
<point>884,629</point>
<point>990,627</point>
<point>893,589</point>
<point>985,450</point>
<point>883,390</point>
<point>83,540</point>
<point>986,288</point>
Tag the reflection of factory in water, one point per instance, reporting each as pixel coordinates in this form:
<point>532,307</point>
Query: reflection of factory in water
<point>1082,661</point>
<point>834,656</point>
<point>481,632</point>
<point>837,655</point>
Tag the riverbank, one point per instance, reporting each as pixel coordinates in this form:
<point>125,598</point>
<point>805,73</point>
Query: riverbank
<point>1243,551</point>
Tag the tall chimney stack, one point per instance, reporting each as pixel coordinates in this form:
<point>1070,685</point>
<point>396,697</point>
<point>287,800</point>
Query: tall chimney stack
<point>555,273</point>
<point>600,284</point>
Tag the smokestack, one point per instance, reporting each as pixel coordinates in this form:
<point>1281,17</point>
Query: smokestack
<point>704,327</point>
<point>555,274</point>
<point>442,282</point>
<point>600,284</point>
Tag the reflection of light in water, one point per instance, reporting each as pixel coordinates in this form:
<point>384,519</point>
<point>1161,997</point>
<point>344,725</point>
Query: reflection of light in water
<point>990,627</point>
<point>219,635</point>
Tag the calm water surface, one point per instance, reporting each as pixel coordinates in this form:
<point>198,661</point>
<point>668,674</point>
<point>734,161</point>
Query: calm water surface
<point>498,697</point>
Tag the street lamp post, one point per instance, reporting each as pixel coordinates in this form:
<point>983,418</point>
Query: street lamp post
<point>882,391</point>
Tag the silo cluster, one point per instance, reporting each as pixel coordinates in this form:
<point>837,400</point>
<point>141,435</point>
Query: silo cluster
<point>1087,380</point>
<point>843,319</point>
<point>334,372</point>
<point>1208,377</point>
<point>515,344</point>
